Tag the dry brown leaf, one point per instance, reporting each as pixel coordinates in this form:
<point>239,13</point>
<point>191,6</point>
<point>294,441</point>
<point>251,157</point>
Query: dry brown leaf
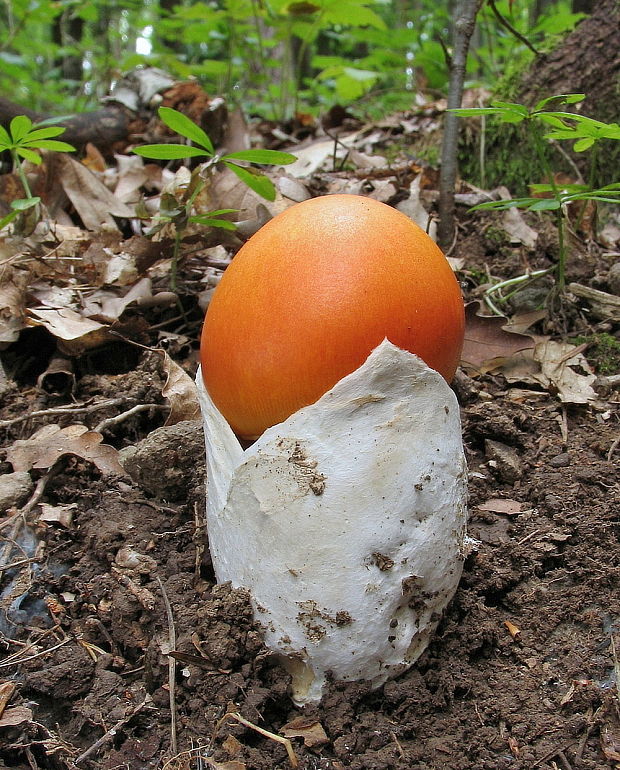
<point>13,287</point>
<point>95,204</point>
<point>131,177</point>
<point>310,730</point>
<point>487,344</point>
<point>500,505</point>
<point>566,370</point>
<point>610,743</point>
<point>58,514</point>
<point>512,629</point>
<point>51,442</point>
<point>74,334</point>
<point>180,390</point>
<point>15,716</point>
<point>106,306</point>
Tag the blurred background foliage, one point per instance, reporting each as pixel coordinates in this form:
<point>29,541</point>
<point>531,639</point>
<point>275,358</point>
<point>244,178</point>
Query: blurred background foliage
<point>275,58</point>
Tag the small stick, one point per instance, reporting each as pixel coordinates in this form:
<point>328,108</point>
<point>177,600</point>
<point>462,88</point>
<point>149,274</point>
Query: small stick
<point>272,736</point>
<point>110,733</point>
<point>62,410</point>
<point>110,421</point>
<point>172,642</point>
<point>143,595</point>
<point>38,655</point>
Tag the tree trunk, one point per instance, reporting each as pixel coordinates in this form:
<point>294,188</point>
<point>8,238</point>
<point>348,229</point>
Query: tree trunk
<point>463,30</point>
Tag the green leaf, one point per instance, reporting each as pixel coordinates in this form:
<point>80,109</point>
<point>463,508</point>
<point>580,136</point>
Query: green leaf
<point>519,109</point>
<point>50,144</point>
<point>168,151</point>
<point>23,204</point>
<point>186,127</point>
<point>219,212</point>
<point>30,155</point>
<point>20,126</point>
<point>44,133</point>
<point>470,112</point>
<point>254,180</point>
<point>561,98</point>
<point>5,139</point>
<point>53,121</point>
<point>584,144</point>
<point>8,219</point>
<point>204,219</point>
<point>502,205</point>
<point>545,204</point>
<point>266,157</point>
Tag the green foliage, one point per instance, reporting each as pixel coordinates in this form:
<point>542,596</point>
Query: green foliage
<point>544,124</point>
<point>187,128</point>
<point>603,352</point>
<point>22,141</point>
<point>179,212</point>
<point>276,57</point>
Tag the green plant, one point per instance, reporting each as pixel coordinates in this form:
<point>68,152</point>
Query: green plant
<point>603,352</point>
<point>179,212</point>
<point>22,141</point>
<point>545,124</point>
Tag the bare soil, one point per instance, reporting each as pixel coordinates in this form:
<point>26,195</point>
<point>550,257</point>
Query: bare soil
<point>521,674</point>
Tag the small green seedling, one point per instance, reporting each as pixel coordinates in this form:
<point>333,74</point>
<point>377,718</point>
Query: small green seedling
<point>550,125</point>
<point>22,141</point>
<point>179,212</point>
<point>187,128</point>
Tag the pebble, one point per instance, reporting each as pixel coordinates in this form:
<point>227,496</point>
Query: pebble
<point>504,460</point>
<point>15,489</point>
<point>560,461</point>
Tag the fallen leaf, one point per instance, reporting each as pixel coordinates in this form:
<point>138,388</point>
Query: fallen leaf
<point>565,370</point>
<point>518,229</point>
<point>95,204</point>
<point>51,442</point>
<point>73,332</point>
<point>610,743</point>
<point>180,391</point>
<point>487,344</point>
<point>310,730</point>
<point>15,716</point>
<point>512,629</point>
<point>58,514</point>
<point>13,287</point>
<point>497,505</point>
<point>413,208</point>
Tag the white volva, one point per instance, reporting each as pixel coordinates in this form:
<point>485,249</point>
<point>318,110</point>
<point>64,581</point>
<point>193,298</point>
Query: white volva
<point>345,522</point>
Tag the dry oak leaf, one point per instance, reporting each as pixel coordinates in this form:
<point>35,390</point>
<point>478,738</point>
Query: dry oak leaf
<point>51,442</point>
<point>487,343</point>
<point>15,716</point>
<point>180,390</point>
<point>310,730</point>
<point>95,204</point>
<point>73,332</point>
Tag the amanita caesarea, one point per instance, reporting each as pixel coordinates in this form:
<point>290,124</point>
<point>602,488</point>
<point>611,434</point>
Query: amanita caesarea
<point>345,522</point>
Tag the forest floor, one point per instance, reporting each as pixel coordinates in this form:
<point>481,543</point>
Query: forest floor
<point>106,571</point>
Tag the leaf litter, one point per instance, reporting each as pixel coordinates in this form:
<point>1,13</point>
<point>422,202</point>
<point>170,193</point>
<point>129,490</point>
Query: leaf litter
<point>94,556</point>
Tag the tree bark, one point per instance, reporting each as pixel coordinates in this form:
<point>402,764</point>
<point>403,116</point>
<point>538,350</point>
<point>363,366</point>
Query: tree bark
<point>103,128</point>
<point>463,30</point>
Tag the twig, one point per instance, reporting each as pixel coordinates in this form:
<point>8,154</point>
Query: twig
<point>111,732</point>
<point>272,736</point>
<point>38,654</point>
<point>110,421</point>
<point>505,23</point>
<point>59,410</point>
<point>612,449</point>
<point>172,643</point>
<point>143,595</point>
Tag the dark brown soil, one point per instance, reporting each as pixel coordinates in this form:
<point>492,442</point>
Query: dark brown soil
<point>521,674</point>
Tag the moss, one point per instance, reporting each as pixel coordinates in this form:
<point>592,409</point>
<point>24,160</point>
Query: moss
<point>603,352</point>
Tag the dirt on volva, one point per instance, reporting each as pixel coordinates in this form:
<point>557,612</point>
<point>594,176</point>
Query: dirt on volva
<point>118,649</point>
